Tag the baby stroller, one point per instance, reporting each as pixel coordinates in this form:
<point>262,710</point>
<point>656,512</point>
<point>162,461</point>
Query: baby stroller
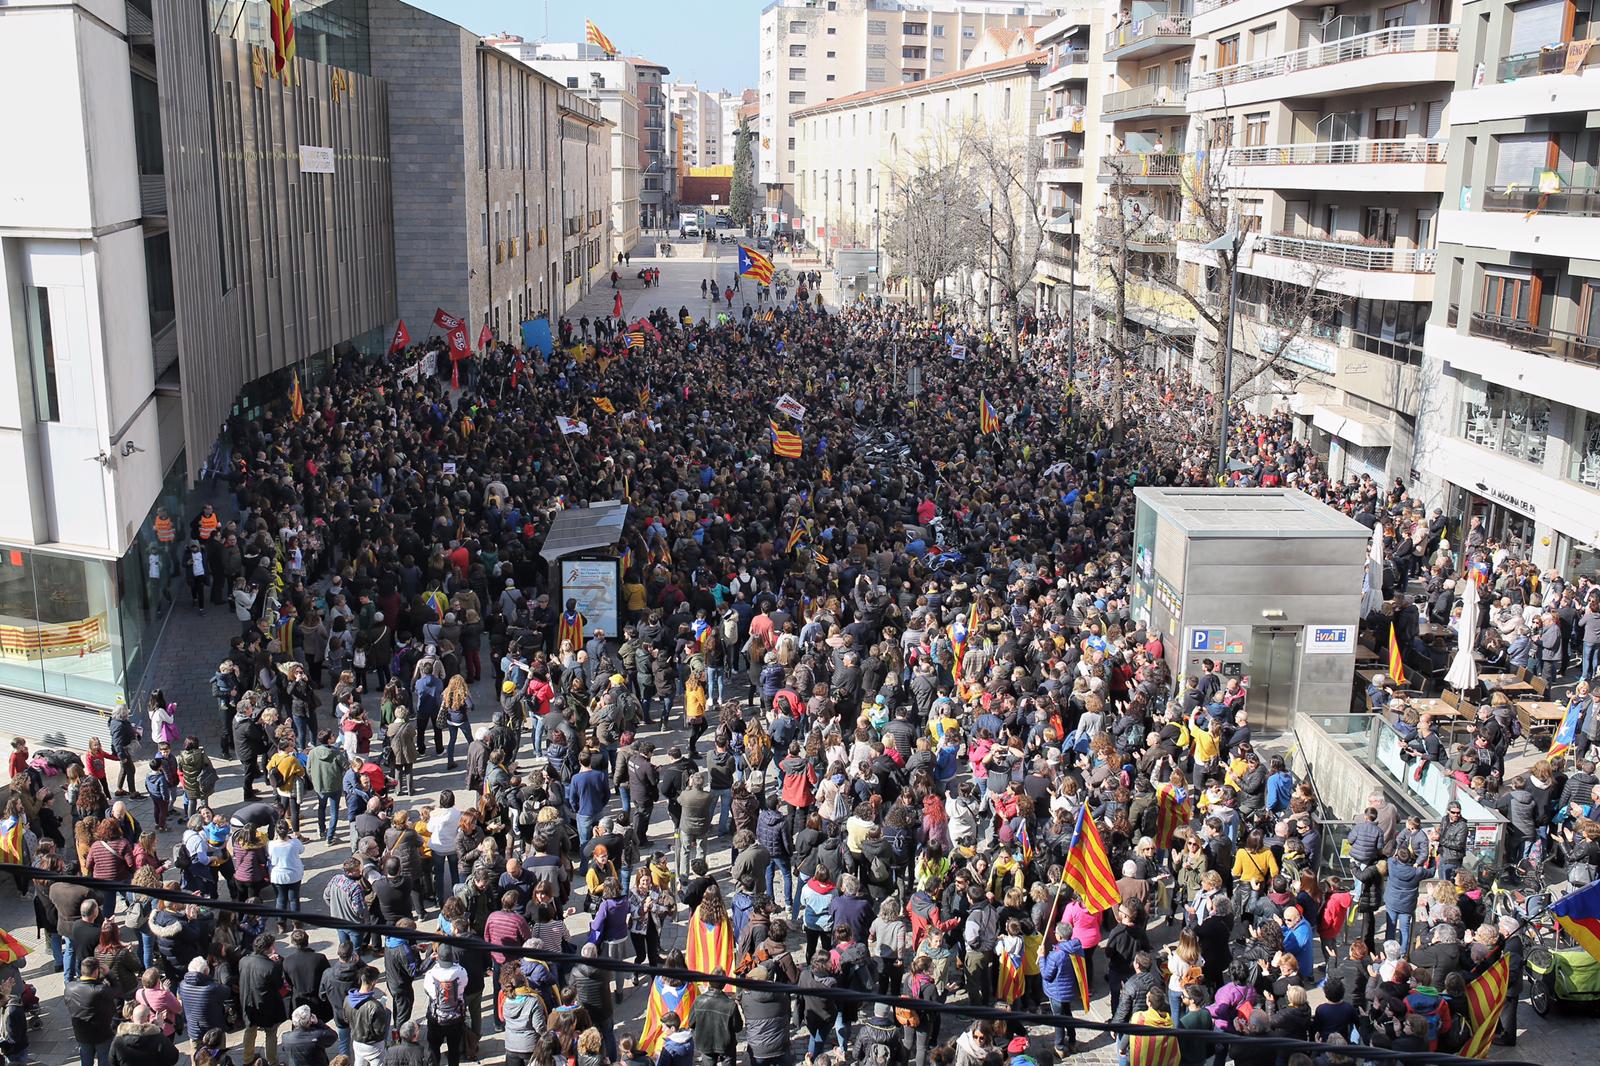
<point>1564,975</point>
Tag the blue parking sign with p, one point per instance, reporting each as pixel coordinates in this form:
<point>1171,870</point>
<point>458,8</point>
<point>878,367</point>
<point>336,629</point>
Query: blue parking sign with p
<point>1206,639</point>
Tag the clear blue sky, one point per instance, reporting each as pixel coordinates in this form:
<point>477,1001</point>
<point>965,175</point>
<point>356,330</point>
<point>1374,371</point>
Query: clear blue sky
<point>713,42</point>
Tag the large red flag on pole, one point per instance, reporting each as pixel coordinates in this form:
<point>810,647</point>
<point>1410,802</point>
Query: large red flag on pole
<point>401,339</point>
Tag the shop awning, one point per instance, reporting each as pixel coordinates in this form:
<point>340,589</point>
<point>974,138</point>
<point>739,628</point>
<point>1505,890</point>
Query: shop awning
<point>1348,423</point>
<point>584,529</point>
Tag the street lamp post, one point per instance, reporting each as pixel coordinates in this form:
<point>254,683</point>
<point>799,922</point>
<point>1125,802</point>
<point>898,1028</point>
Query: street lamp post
<point>988,277</point>
<point>1228,242</point>
<point>1072,321</point>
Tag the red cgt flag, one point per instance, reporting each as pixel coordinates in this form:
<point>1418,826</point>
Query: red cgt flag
<point>485,337</point>
<point>446,321</point>
<point>401,340</point>
<point>460,348</point>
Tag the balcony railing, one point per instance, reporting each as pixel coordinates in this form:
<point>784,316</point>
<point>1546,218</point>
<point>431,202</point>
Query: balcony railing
<point>1527,337</point>
<point>1201,7</point>
<point>1066,58</point>
<point>1142,96</point>
<point>1394,41</point>
<point>1410,150</point>
<point>1143,165</point>
<point>1141,233</point>
<point>1549,60</point>
<point>1349,256</point>
<point>1576,200</point>
<point>1066,161</point>
<point>1147,28</point>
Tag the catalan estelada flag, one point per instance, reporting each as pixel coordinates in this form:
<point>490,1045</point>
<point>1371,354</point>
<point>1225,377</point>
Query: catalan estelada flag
<point>592,34</point>
<point>710,946</point>
<point>627,559</point>
<point>1567,734</point>
<point>795,534</point>
<point>752,264</point>
<point>1579,915</point>
<point>13,842</point>
<point>785,443</point>
<point>819,558</point>
<point>1486,995</point>
<point>664,999</point>
<point>1088,869</point>
<point>1174,810</point>
<point>633,340</point>
<point>1025,842</point>
<point>282,39</point>
<point>1397,668</point>
<point>605,404</point>
<point>988,421</point>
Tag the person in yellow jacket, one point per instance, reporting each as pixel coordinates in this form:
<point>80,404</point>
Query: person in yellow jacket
<point>285,772</point>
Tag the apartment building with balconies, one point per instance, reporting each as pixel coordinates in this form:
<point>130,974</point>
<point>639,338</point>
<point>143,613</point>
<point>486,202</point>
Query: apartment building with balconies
<point>1511,411</point>
<point>1069,92</point>
<point>814,51</point>
<point>1322,129</point>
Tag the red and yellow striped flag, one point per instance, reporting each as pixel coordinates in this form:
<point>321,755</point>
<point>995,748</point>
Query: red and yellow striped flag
<point>1397,668</point>
<point>1088,868</point>
<point>283,39</point>
<point>1485,997</point>
<point>592,34</point>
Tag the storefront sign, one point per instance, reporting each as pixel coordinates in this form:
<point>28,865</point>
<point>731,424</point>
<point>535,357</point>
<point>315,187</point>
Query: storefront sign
<point>1501,496</point>
<point>1330,640</point>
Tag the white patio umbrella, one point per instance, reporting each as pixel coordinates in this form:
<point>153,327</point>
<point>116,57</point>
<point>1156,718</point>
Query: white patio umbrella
<point>1463,675</point>
<point>1372,579</point>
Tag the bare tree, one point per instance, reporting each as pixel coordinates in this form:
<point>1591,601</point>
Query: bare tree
<point>1005,166</point>
<point>1276,317</point>
<point>927,232</point>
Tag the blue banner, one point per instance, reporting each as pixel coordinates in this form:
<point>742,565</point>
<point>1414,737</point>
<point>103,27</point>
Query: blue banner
<point>536,334</point>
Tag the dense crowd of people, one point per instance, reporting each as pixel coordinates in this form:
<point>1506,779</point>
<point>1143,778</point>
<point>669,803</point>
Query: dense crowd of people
<point>890,674</point>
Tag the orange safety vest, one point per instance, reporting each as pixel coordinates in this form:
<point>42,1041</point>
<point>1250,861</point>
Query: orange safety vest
<point>164,531</point>
<point>208,525</point>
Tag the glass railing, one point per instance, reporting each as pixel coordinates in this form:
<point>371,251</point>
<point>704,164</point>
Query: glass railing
<point>1580,201</point>
<point>1394,41</point>
<point>1142,96</point>
<point>1403,150</point>
<point>1553,59</point>
<point>1350,256</point>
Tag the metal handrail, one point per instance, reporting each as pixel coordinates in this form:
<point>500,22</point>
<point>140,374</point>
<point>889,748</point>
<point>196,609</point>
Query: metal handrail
<point>1391,41</point>
<point>1141,96</point>
<point>1397,150</point>
<point>1536,339</point>
<point>1548,60</point>
<point>1582,201</point>
<point>1203,6</point>
<point>1069,161</point>
<point>1067,57</point>
<point>1143,164</point>
<point>1159,25</point>
<point>1350,256</point>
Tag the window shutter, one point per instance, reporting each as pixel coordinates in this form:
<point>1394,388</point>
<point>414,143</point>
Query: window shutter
<point>1536,24</point>
<point>1435,119</point>
<point>1522,156</point>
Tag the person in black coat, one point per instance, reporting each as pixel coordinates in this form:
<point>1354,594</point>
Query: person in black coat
<point>261,996</point>
<point>304,968</point>
<point>250,745</point>
<point>307,1042</point>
